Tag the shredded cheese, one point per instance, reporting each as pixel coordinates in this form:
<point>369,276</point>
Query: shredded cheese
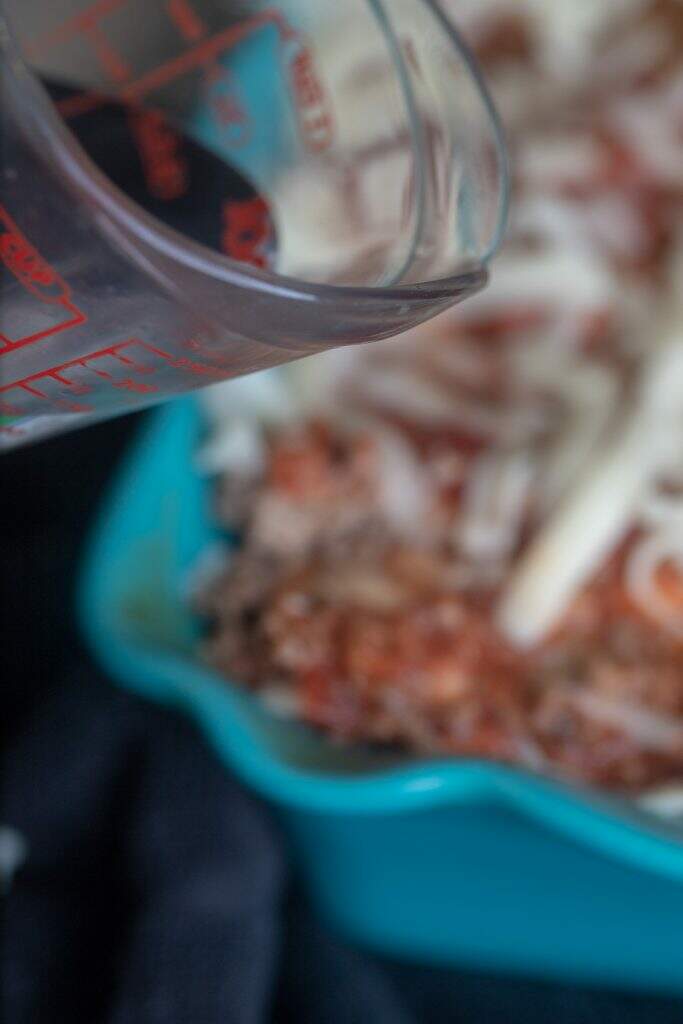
<point>497,492</point>
<point>642,570</point>
<point>666,801</point>
<point>651,730</point>
<point>593,518</point>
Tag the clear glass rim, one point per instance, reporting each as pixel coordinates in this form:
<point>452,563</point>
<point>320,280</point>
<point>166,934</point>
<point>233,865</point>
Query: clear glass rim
<point>498,134</point>
<point>74,165</point>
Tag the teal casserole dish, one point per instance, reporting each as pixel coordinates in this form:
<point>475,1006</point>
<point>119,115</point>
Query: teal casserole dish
<point>449,862</point>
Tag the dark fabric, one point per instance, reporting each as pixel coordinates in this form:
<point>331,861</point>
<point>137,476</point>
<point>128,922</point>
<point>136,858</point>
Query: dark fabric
<point>155,890</point>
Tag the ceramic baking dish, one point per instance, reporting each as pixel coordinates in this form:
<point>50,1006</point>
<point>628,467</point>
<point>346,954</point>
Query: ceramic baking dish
<point>446,861</point>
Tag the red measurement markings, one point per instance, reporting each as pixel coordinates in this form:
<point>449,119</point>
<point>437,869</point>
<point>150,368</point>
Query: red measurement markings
<point>39,279</point>
<point>7,430</point>
<point>7,409</point>
<point>111,61</point>
<point>186,19</point>
<point>81,103</point>
<point>246,230</point>
<point>87,24</point>
<point>118,366</point>
<point>78,24</point>
<point>232,116</point>
<point>315,115</point>
<point>201,55</point>
<point>198,369</point>
<point>159,146</point>
<point>227,104</point>
<point>124,366</point>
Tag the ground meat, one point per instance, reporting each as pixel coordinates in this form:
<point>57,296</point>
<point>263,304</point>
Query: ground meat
<point>320,489</point>
<point>383,650</point>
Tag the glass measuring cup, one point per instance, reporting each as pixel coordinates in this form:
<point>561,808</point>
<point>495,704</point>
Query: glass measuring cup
<point>358,162</point>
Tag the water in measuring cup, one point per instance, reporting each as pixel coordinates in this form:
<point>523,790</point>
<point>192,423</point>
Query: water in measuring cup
<point>173,177</point>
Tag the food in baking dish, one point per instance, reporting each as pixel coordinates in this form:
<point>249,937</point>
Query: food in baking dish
<point>469,541</point>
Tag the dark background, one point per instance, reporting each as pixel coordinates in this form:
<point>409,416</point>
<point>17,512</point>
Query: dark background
<point>155,890</point>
